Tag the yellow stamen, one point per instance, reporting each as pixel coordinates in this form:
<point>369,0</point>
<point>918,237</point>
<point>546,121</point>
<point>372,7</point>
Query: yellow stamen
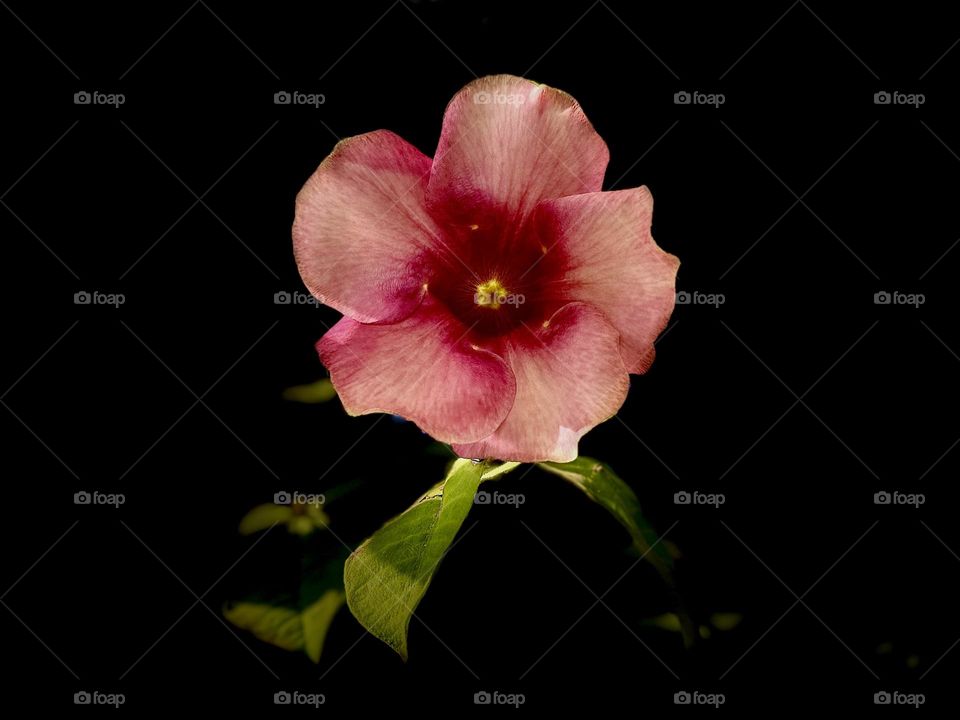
<point>490,294</point>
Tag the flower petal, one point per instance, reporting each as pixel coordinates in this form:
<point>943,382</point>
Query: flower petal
<point>614,264</point>
<point>423,368</point>
<point>513,142</point>
<point>569,378</point>
<point>361,229</point>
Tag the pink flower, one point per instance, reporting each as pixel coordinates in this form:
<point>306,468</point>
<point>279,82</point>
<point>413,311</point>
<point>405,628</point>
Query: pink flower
<point>493,295</point>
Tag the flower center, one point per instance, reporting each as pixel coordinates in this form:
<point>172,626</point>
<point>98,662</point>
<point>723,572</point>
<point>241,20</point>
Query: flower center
<point>492,294</point>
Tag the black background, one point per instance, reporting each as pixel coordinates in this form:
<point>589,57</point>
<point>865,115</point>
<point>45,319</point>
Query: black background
<point>105,199</point>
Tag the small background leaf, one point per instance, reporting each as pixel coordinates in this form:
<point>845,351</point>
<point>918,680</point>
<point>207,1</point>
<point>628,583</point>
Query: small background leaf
<point>286,627</point>
<point>725,621</point>
<point>316,621</point>
<point>297,615</point>
<point>299,519</point>
<point>280,626</point>
<point>320,391</point>
<point>263,517</point>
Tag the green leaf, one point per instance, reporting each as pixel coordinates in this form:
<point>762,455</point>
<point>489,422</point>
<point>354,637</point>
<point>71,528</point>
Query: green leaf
<point>300,519</point>
<point>387,576</point>
<point>602,485</point>
<point>316,621</point>
<point>297,620</point>
<point>498,470</point>
<point>666,621</point>
<point>605,488</point>
<point>726,621</point>
<point>320,391</point>
<point>287,627</point>
<point>265,516</point>
<point>280,626</point>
